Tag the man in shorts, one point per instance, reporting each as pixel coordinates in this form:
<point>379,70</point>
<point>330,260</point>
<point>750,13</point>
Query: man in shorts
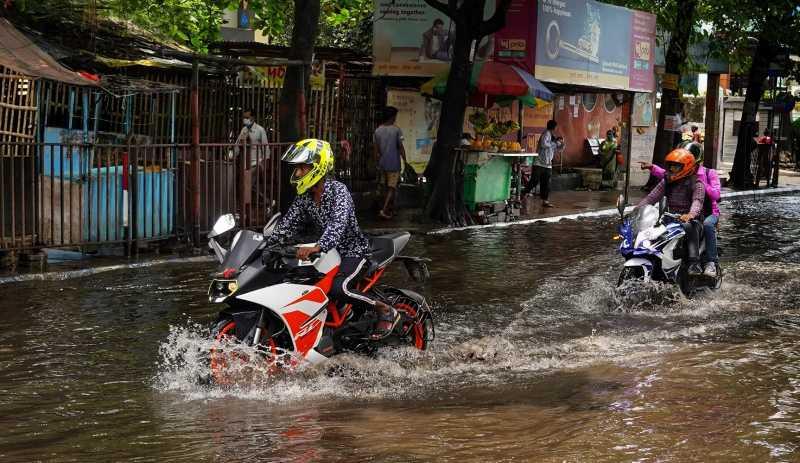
<point>389,150</point>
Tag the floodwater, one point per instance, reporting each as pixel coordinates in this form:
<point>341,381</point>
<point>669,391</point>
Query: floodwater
<point>532,362</point>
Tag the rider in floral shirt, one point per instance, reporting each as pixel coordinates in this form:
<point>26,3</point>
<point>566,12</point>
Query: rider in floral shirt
<point>328,204</point>
<point>336,216</point>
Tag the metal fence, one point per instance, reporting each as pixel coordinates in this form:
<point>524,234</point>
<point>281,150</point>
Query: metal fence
<point>64,195</point>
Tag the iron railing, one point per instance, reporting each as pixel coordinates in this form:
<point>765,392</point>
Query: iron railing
<point>68,195</point>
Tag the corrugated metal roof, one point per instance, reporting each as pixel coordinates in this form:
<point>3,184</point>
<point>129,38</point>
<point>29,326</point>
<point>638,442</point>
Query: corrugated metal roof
<point>19,53</point>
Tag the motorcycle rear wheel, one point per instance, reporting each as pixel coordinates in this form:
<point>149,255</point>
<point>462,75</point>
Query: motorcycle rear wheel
<point>416,325</point>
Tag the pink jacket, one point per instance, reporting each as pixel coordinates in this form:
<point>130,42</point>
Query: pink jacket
<point>709,178</point>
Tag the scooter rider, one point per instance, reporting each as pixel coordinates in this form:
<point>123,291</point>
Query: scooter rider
<point>710,180</point>
<point>685,194</point>
<point>326,203</point>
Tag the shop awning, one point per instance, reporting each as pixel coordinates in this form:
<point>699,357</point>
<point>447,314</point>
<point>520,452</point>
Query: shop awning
<point>491,81</point>
<point>19,53</point>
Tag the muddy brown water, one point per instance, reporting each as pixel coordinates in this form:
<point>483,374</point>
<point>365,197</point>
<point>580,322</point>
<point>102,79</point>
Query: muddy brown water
<point>532,362</point>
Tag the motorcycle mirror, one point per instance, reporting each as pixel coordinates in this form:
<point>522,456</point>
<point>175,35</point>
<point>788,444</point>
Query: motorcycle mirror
<point>225,223</point>
<point>621,205</point>
<point>273,221</point>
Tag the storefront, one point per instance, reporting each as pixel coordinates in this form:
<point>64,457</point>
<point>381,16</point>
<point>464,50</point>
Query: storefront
<point>599,59</point>
<point>595,57</point>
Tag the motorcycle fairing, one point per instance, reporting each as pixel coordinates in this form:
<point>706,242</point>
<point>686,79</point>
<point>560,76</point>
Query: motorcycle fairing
<point>302,308</point>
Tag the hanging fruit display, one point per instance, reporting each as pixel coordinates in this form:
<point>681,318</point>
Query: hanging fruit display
<point>488,133</point>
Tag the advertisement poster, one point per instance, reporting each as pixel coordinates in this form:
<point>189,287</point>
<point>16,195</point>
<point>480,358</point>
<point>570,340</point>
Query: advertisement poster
<point>516,42</point>
<point>273,76</point>
<point>584,42</point>
<point>643,110</point>
<point>643,139</point>
<point>317,77</point>
<point>418,118</point>
<point>411,38</point>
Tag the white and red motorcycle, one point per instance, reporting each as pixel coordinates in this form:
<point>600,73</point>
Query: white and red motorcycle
<point>279,305</point>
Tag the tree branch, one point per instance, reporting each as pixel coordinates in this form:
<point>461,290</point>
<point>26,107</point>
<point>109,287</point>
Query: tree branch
<point>437,5</point>
<point>496,22</point>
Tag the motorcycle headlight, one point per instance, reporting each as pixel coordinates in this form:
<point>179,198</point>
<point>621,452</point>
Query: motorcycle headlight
<point>222,289</point>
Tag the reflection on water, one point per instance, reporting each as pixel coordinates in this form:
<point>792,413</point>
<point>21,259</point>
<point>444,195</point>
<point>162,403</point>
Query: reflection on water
<point>532,362</point>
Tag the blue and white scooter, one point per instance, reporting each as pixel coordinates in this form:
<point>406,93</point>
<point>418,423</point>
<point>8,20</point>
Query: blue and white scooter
<point>654,250</point>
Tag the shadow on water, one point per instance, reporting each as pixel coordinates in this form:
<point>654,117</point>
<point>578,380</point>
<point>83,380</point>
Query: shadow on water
<point>533,360</point>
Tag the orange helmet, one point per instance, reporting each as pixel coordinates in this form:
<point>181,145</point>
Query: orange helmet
<point>680,163</point>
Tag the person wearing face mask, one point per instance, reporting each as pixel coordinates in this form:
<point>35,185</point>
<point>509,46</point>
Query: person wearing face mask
<point>255,137</point>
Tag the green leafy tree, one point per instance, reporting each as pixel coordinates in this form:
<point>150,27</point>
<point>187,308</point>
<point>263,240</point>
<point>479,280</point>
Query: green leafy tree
<point>758,34</point>
<point>679,18</point>
<point>193,23</point>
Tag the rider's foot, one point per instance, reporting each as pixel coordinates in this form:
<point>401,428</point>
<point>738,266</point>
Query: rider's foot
<point>694,269</point>
<point>710,270</point>
<point>388,318</point>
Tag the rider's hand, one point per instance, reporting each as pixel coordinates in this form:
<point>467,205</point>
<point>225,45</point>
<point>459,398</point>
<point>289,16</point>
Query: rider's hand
<point>303,252</point>
<point>686,218</point>
<point>645,165</point>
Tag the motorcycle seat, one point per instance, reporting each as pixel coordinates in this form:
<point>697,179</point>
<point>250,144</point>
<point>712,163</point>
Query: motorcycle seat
<point>384,248</point>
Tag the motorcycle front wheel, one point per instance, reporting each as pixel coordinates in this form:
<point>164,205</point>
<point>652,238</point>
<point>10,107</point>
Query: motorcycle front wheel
<point>227,364</point>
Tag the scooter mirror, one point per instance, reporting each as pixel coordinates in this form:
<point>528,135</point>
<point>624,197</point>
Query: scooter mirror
<point>225,223</point>
<point>621,205</point>
<point>271,224</point>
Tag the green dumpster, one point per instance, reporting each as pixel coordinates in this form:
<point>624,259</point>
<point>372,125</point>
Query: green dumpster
<point>487,178</point>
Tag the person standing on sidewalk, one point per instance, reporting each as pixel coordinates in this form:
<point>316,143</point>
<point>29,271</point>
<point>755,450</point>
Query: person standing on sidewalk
<point>608,161</point>
<point>543,167</point>
<point>255,136</point>
<point>388,149</point>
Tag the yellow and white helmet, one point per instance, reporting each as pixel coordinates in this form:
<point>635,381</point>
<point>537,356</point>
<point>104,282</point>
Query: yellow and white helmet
<point>318,154</point>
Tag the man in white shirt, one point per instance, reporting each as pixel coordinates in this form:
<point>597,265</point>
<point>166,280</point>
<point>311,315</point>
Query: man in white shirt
<point>255,137</point>
<point>543,168</point>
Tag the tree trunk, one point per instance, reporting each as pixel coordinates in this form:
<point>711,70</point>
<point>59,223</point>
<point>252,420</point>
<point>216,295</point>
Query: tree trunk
<point>445,170</point>
<point>292,105</point>
<point>442,205</point>
<point>740,176</point>
<point>670,97</point>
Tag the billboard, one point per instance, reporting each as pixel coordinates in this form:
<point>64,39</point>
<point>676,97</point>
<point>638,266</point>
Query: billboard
<point>584,42</point>
<point>411,38</point>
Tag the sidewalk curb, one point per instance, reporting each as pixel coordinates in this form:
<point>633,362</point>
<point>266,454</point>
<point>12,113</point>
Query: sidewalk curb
<point>70,274</point>
<point>605,212</point>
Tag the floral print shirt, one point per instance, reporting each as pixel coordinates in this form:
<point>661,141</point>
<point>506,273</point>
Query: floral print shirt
<point>335,216</point>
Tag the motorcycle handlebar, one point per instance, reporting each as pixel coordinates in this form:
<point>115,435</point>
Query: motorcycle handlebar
<point>289,252</point>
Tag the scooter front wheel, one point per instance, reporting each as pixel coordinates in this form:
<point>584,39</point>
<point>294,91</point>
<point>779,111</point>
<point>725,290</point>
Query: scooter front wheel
<point>629,274</point>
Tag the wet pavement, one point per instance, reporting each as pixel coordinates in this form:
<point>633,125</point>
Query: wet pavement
<point>534,361</point>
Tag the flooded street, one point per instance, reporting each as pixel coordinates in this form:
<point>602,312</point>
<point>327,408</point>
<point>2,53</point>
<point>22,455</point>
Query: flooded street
<point>532,361</point>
